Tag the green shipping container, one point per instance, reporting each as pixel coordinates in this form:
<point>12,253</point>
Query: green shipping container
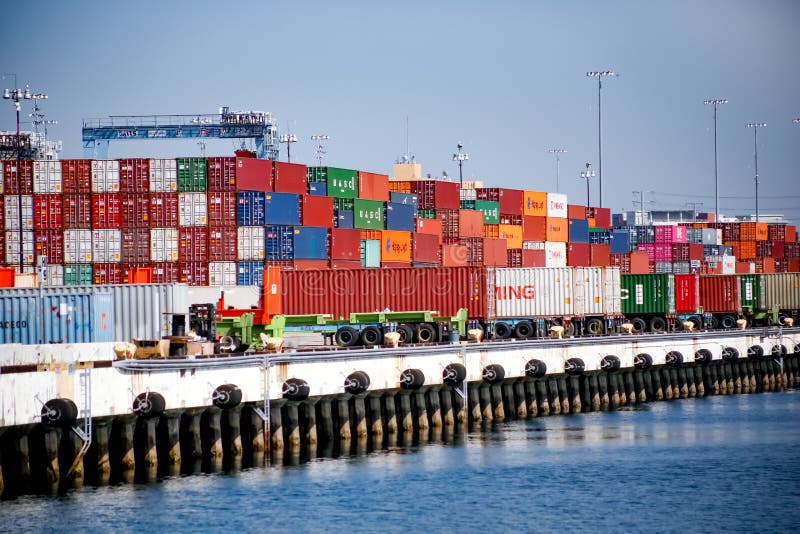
<point>370,253</point>
<point>750,289</point>
<point>78,274</point>
<point>644,294</point>
<point>368,214</point>
<point>192,175</point>
<point>468,204</point>
<point>341,183</point>
<point>491,211</point>
<point>343,204</point>
<point>426,214</point>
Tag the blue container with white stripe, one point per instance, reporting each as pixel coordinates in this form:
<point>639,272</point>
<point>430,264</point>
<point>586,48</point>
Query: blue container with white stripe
<point>310,243</point>
<point>399,217</point>
<point>343,219</point>
<point>318,189</point>
<point>250,208</point>
<point>250,273</point>
<point>409,199</point>
<point>282,208</point>
<point>279,243</point>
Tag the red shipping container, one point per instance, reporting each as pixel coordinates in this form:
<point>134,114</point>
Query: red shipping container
<point>310,265</point>
<point>76,176</point>
<point>776,232</point>
<point>623,261</point>
<point>534,258</point>
<point>316,211</point>
<point>48,212</point>
<point>791,234</point>
<point>602,218</point>
<point>600,255</point>
<point>576,212</point>
<point>134,175</point>
<point>107,273</point>
<point>135,208</point>
<point>221,174</point>
<point>106,210</point>
<point>510,200</point>
<point>373,186</point>
<point>763,249</point>
<point>680,252</point>
<point>49,243</point>
<point>346,264</point>
<point>2,219</point>
<point>435,194</point>
<point>454,255</point>
<point>425,248</point>
<point>495,253</point>
<point>791,251</point>
<point>470,223</point>
<point>345,244</point>
<point>686,293</point>
<point>222,243</point>
<point>164,210</point>
<point>778,248</point>
<point>794,265</point>
<point>513,220</point>
<point>165,273</point>
<point>534,228</point>
<point>289,178</point>
<point>746,250</point>
<point>720,294</point>
<point>193,244</point>
<point>222,208</point>
<point>695,252</point>
<point>135,247</point>
<point>77,211</point>
<point>194,273</point>
<point>578,254</point>
<point>11,178</point>
<point>449,219</point>
<point>428,226</point>
<point>514,257</point>
<point>253,174</point>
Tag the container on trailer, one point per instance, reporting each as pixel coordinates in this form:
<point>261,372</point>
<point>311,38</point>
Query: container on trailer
<point>163,244</point>
<point>250,208</point>
<point>134,175</point>
<point>436,194</point>
<point>222,209</point>
<point>135,245</point>
<point>76,175</point>
<point>720,294</point>
<point>368,214</point>
<point>749,291</point>
<point>687,293</point>
<point>779,290</point>
<point>192,209</point>
<point>644,294</point>
<point>282,208</point>
<point>310,243</point>
<point>250,243</point>
<point>370,252</point>
<point>289,178</point>
<point>192,175</point>
<point>193,244</point>
<point>163,176</point>
<point>316,211</point>
<point>144,311</point>
<point>400,217</point>
<point>222,174</point>
<point>373,186</point>
<point>105,176</point>
<point>596,291</point>
<point>533,292</point>
<point>222,273</point>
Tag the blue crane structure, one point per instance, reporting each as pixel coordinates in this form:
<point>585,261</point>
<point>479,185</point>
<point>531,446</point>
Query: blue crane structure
<point>258,125</point>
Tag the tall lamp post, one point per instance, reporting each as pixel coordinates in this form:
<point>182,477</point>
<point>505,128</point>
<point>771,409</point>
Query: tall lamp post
<point>557,152</point>
<point>716,102</point>
<point>288,139</point>
<point>320,150</point>
<point>586,175</point>
<point>460,157</point>
<point>755,126</point>
<point>600,74</point>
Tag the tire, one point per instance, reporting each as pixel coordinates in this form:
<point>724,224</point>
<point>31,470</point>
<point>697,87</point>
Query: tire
<point>610,364</point>
<point>595,326</point>
<point>703,356</point>
<point>730,354</point>
<point>406,333</point>
<point>535,368</point>
<point>149,404</point>
<point>696,322</point>
<point>295,389</point>
<point>502,330</point>
<point>454,374</point>
<point>347,336</point>
<point>643,361</point>
<point>425,333</point>
<point>59,413</point>
<point>229,344</point>
<point>412,379</point>
<point>657,324</point>
<point>227,396</point>
<point>755,352</point>
<point>727,322</point>
<point>574,367</point>
<point>356,383</point>
<point>713,324</point>
<point>639,325</point>
<point>778,351</point>
<point>673,359</point>
<point>523,330</point>
<point>493,373</point>
<point>371,336</point>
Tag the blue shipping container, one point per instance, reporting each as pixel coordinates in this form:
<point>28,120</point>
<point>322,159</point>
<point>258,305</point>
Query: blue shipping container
<point>283,208</point>
<point>57,315</point>
<point>600,238</point>
<point>409,199</point>
<point>343,219</point>
<point>310,243</point>
<point>279,243</point>
<point>250,208</point>
<point>578,231</point>
<point>645,234</point>
<point>318,189</point>
<point>250,273</point>
<point>399,217</point>
<point>370,253</point>
<point>620,242</point>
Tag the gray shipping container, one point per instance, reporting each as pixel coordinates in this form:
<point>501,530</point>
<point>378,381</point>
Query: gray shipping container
<point>143,311</point>
<point>780,290</point>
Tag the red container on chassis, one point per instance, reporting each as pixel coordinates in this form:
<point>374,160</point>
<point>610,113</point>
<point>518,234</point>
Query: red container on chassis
<point>509,200</point>
<point>221,174</point>
<point>107,273</point>
<point>345,245</point>
<point>599,255</point>
<point>134,175</point>
<point>289,178</point>
<point>106,210</point>
<point>135,210</point>
<point>11,176</point>
<point>193,244</point>
<point>222,243</point>
<point>470,223</point>
<point>534,228</point>
<point>687,293</point>
<point>310,265</point>
<point>77,210</point>
<point>222,209</point>
<point>450,220</point>
<point>135,245</point>
<point>342,292</point>
<point>48,212</point>
<point>164,210</point>
<point>165,272</point>
<point>49,243</point>
<point>76,176</point>
<point>194,273</point>
<point>455,255</point>
<point>373,186</point>
<point>435,194</point>
<point>253,174</point>
<point>576,212</point>
<point>579,254</point>
<point>346,264</point>
<point>424,248</point>
<point>316,211</point>
<point>720,294</point>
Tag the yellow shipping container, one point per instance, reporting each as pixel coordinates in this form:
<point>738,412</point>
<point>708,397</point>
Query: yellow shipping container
<point>512,233</point>
<point>534,203</point>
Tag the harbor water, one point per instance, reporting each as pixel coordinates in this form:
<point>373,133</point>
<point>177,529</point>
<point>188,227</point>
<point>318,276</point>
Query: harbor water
<point>714,464</point>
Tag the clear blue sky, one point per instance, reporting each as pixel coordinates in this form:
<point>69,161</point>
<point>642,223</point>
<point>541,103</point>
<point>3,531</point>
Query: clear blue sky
<point>508,79</point>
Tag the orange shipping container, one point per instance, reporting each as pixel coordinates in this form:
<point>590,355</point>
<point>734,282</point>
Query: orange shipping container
<point>746,250</point>
<point>791,233</point>
<point>470,223</point>
<point>428,226</point>
<point>640,262</point>
<point>454,255</point>
<point>762,231</point>
<point>576,212</point>
<point>397,186</point>
<point>395,246</point>
<point>600,255</point>
<point>534,203</point>
<point>491,231</point>
<point>373,186</point>
<point>744,267</point>
<point>512,234</point>
<point>534,228</point>
<point>557,229</point>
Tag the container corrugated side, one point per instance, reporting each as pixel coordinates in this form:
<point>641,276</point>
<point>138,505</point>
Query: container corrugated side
<point>720,294</point>
<point>143,311</point>
<point>533,292</point>
<point>647,294</point>
<point>750,290</point>
<point>591,288</point>
<point>780,290</point>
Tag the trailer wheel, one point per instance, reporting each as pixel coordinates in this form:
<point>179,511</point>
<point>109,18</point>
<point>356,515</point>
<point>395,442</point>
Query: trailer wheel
<point>454,374</point>
<point>347,336</point>
<point>658,324</point>
<point>406,333</point>
<point>594,326</point>
<point>523,330</point>
<point>502,330</point>
<point>713,323</point>
<point>371,336</point>
<point>639,325</point>
<point>727,322</point>
<point>426,333</point>
<point>59,412</point>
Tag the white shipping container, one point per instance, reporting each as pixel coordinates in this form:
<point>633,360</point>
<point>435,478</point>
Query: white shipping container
<point>468,194</point>
<point>106,246</point>
<point>251,241</point>
<point>12,212</point>
<point>53,276</point>
<point>192,209</point>
<point>2,179</point>
<point>533,245</point>
<point>47,176</point>
<point>533,292</point>
<point>77,246</point>
<point>12,247</point>
<point>163,175</point>
<point>222,273</point>
<point>729,264</point>
<point>557,205</point>
<point>712,236</point>
<point>164,244</point>
<point>555,254</point>
<point>596,291</point>
<point>105,176</point>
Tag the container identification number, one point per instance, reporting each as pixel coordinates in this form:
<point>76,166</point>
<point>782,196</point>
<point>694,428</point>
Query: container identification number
<point>13,324</point>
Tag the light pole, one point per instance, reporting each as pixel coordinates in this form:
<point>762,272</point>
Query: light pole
<point>586,175</point>
<point>557,152</point>
<point>460,157</point>
<point>320,150</point>
<point>755,126</point>
<point>715,102</point>
<point>288,139</point>
<point>599,74</point>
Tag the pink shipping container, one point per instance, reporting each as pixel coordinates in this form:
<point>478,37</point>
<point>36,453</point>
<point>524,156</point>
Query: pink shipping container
<point>49,243</point>
<point>316,211</point>
<point>106,210</point>
<point>662,251</point>
<point>193,244</point>
<point>221,174</point>
<point>435,194</point>
<point>135,245</point>
<point>222,209</point>
<point>373,186</point>
<point>194,273</point>
<point>77,211</point>
<point>289,178</point>
<point>425,248</point>
<point>164,210</point>
<point>222,243</point>
<point>253,174</point>
<point>134,175</point>
<point>135,210</point>
<point>48,212</point>
<point>510,200</point>
<point>76,176</point>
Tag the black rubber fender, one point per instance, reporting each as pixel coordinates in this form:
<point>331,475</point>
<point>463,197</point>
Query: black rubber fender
<point>412,379</point>
<point>356,383</point>
<point>535,368</point>
<point>523,330</point>
<point>454,374</point>
<point>371,336</point>
<point>574,366</point>
<point>425,333</point>
<point>59,413</point>
<point>755,352</point>
<point>730,354</point>
<point>295,389</point>
<point>493,373</point>
<point>502,330</point>
<point>406,333</point>
<point>673,359</point>
<point>347,336</point>
<point>703,356</point>
<point>643,361</point>
<point>149,404</point>
<point>227,396</point>
<point>778,351</point>
<point>610,363</point>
